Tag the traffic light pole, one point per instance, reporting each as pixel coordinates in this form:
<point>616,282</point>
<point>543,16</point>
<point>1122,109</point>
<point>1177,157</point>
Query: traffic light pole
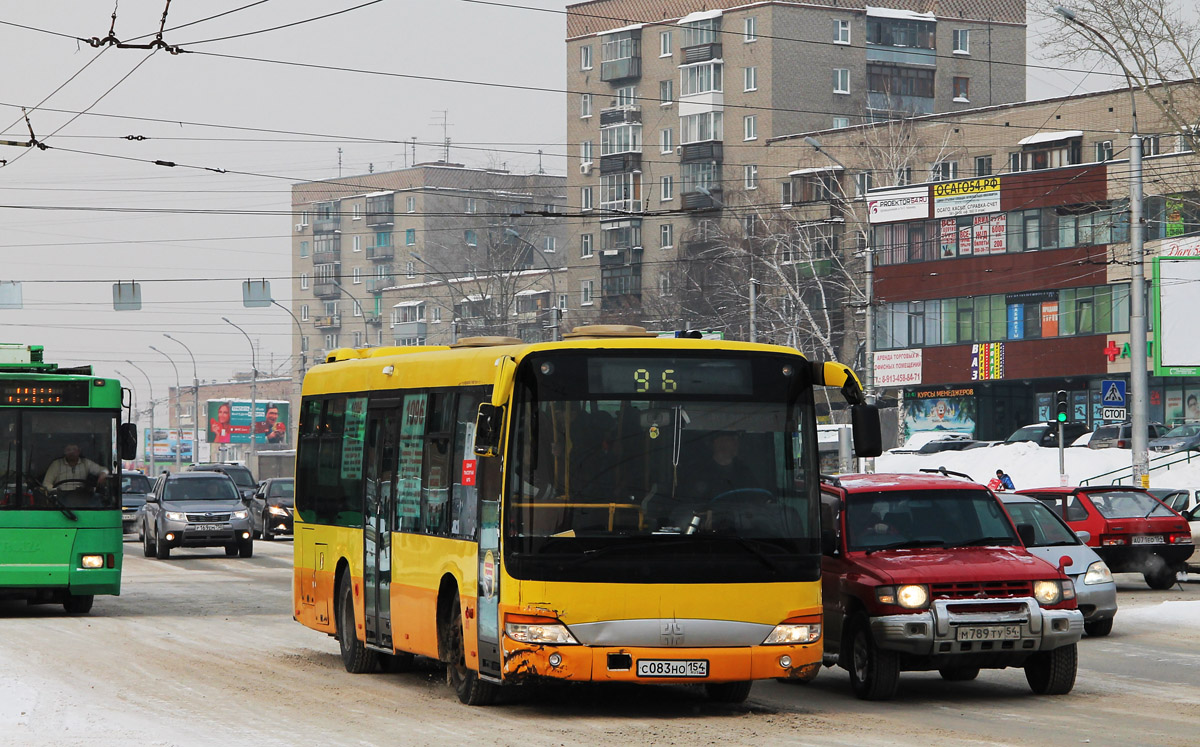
<point>1062,409</point>
<point>1062,461</point>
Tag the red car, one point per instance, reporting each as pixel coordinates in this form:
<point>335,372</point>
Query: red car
<point>928,572</point>
<point>1130,529</point>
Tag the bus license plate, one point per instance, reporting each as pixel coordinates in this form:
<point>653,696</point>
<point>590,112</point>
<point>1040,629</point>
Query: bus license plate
<point>207,527</point>
<point>672,668</point>
<point>990,633</point>
<point>1147,539</point>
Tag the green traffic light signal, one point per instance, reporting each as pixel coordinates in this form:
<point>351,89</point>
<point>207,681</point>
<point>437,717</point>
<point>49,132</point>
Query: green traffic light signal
<point>1062,417</point>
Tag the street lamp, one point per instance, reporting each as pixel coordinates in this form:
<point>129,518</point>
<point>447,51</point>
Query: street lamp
<point>253,391</point>
<point>553,284</point>
<point>300,331</point>
<point>150,386</point>
<point>195,400</point>
<point>1138,380</point>
<point>178,424</point>
<point>868,290</point>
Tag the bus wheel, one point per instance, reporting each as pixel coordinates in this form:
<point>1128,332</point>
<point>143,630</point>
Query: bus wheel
<point>728,692</point>
<point>470,689</point>
<point>356,657</point>
<point>78,604</point>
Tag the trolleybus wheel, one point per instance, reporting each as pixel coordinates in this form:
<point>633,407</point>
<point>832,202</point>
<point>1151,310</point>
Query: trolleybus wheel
<point>356,657</point>
<point>466,683</point>
<point>78,604</point>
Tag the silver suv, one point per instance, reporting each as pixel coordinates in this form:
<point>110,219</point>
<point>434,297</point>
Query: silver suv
<point>195,509</point>
<point>1119,435</point>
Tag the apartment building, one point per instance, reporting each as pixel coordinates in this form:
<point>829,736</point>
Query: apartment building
<point>673,105</point>
<point>1001,251</point>
<point>453,237</point>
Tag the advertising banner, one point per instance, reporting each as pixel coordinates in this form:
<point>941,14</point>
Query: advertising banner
<point>981,242</point>
<point>967,197</point>
<point>949,240</point>
<point>165,442</point>
<point>964,241</point>
<point>229,422</point>
<point>901,204</point>
<point>999,231</point>
<point>987,361</point>
<point>954,414</point>
<point>898,368</point>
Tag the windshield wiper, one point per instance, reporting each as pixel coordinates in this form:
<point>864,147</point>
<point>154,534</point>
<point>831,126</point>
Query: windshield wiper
<point>590,555</point>
<point>908,544</point>
<point>61,506</point>
<point>987,541</point>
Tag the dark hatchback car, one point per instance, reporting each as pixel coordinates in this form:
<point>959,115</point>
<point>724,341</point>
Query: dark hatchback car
<point>271,508</point>
<point>195,509</point>
<point>1046,434</point>
<point>135,486</point>
<point>239,473</point>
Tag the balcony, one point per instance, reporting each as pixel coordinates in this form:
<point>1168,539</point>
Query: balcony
<point>327,256</point>
<point>377,284</point>
<point>701,53</point>
<point>326,290</point>
<point>329,321</point>
<point>381,252</point>
<point>709,150</point>
<point>615,115</point>
<point>629,255</point>
<point>880,101</point>
<point>622,69</point>
<point>621,206</point>
<point>901,55</point>
<point>381,219</point>
<point>327,225</point>
<point>700,200</point>
<point>620,162</point>
<point>375,320</point>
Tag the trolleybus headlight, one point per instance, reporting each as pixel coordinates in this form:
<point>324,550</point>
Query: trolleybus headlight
<point>554,633</point>
<point>176,516</point>
<point>1047,592</point>
<point>239,514</point>
<point>794,633</point>
<point>1098,573</point>
<point>93,561</point>
<point>277,511</point>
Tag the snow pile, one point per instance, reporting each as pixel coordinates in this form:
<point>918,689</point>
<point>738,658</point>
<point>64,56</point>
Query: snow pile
<point>1182,613</point>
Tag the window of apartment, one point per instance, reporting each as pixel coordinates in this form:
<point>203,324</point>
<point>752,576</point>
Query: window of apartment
<point>1150,145</point>
<point>1051,155</point>
<point>962,89</point>
<point>356,276</point>
<point>471,237</point>
<point>550,245</point>
<point>585,57</point>
<point>1014,162</point>
<point>904,176</point>
<point>750,78</point>
<point>983,166</point>
<point>410,269</point>
<point>412,204</point>
<point>356,212</point>
<point>303,249</point>
<point>816,187</point>
<point>841,32</point>
<point>585,105</point>
<point>1104,150</point>
<point>894,32</point>
<point>840,122</point>
<point>585,245</point>
<point>700,32</point>
<point>666,236</point>
<point>698,176</point>
<point>331,341</point>
<point>470,204</point>
<point>702,78</point>
<point>667,188</point>
<point>304,281</point>
<point>750,29</point>
<point>785,196</point>
<point>621,191</point>
<point>664,44</point>
<point>750,176</point>
<point>862,183</point>
<point>664,284</point>
<point>585,198</point>
<point>410,237</point>
<point>626,138</point>
<point>585,292</point>
<point>585,151</point>
<point>962,41</point>
<point>944,171</point>
<point>666,92</point>
<point>357,309</point>
<point>841,80</point>
<point>627,96</point>
<point>357,242</point>
<point>900,81</point>
<point>304,312</point>
<point>666,140</point>
<point>750,127</point>
<point>382,238</point>
<point>699,128</point>
<point>304,218</point>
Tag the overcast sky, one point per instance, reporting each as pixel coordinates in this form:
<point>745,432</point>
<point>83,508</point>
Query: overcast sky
<point>184,233</point>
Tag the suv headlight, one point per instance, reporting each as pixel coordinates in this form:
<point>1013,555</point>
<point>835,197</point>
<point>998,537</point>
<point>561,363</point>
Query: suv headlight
<point>239,514</point>
<point>793,633</point>
<point>909,596</point>
<point>176,516</point>
<point>554,633</point>
<point>1047,592</point>
<point>1098,573</point>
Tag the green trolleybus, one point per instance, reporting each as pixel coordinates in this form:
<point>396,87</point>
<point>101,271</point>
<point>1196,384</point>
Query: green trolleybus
<point>61,437</point>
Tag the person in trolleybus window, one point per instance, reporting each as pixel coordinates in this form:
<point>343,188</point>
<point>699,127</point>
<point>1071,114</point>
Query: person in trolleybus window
<point>70,472</point>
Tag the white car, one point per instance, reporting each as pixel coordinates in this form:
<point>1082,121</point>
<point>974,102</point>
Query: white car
<point>1187,502</point>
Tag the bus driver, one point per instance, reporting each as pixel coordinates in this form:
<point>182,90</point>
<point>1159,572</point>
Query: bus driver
<point>70,472</point>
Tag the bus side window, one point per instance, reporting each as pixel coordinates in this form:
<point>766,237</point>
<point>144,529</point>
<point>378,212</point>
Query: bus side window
<point>435,482</point>
<point>465,465</point>
<point>408,468</point>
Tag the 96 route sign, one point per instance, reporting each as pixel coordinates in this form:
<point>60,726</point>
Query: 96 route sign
<point>1114,413</point>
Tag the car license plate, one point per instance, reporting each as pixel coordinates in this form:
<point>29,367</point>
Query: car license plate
<point>989,633</point>
<point>206,527</point>
<point>1147,539</point>
<point>672,668</point>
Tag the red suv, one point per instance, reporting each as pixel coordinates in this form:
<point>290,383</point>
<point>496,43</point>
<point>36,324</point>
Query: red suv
<point>924,572</point>
<point>1130,529</point>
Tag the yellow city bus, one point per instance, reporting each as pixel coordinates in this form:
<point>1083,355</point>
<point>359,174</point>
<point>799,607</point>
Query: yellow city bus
<point>612,507</point>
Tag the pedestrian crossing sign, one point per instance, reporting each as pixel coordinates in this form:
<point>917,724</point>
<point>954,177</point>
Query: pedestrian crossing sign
<point>1112,393</point>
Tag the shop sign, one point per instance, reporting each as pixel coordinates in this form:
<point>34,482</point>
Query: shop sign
<point>968,197</point>
<point>1113,351</point>
<point>1180,247</point>
<point>987,361</point>
<point>900,204</point>
<point>898,368</point>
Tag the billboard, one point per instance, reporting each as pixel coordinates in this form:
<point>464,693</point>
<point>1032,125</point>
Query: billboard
<point>1176,307</point>
<point>165,441</point>
<point>229,421</point>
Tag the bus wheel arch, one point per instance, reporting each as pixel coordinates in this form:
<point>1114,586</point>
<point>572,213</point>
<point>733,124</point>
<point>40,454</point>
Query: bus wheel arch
<point>470,688</point>
<point>356,657</point>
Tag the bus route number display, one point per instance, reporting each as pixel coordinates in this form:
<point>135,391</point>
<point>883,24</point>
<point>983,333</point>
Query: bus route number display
<point>669,376</point>
<point>57,394</point>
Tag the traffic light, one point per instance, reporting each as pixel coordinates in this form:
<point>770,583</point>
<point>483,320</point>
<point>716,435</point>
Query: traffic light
<point>1063,408</point>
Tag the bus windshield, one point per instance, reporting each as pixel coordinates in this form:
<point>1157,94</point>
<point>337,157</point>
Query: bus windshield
<point>687,469</point>
<point>53,459</point>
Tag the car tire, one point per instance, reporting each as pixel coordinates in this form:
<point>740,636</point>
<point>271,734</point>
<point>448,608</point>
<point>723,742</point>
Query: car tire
<point>356,657</point>
<point>1053,672</point>
<point>161,551</point>
<point>231,551</point>
<point>874,672</point>
<point>245,548</point>
<point>959,674</point>
<point>728,692</point>
<point>266,532</point>
<point>1098,628</point>
<point>470,689</point>
<point>148,548</point>
<point>1160,579</point>
<point>78,604</point>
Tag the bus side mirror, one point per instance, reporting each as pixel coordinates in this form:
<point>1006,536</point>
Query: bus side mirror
<point>868,438</point>
<point>488,427</point>
<point>127,441</point>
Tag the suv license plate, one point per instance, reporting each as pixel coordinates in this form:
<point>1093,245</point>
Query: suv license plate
<point>990,633</point>
<point>672,668</point>
<point>207,527</point>
<point>1148,539</point>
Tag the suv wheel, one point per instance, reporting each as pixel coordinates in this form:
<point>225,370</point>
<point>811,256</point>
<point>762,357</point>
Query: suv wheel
<point>148,548</point>
<point>1053,672</point>
<point>161,551</point>
<point>246,548</point>
<point>874,672</point>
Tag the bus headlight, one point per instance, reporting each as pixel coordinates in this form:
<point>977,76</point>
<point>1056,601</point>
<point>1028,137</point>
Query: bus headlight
<point>93,561</point>
<point>1097,573</point>
<point>1047,592</point>
<point>794,633</point>
<point>553,633</point>
<point>176,516</point>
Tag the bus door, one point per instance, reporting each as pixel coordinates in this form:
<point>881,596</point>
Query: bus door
<point>378,520</point>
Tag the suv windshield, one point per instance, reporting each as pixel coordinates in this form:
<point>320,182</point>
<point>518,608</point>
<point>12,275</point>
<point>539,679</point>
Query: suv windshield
<point>1122,504</point>
<point>201,489</point>
<point>1048,529</point>
<point>949,518</point>
<point>135,484</point>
